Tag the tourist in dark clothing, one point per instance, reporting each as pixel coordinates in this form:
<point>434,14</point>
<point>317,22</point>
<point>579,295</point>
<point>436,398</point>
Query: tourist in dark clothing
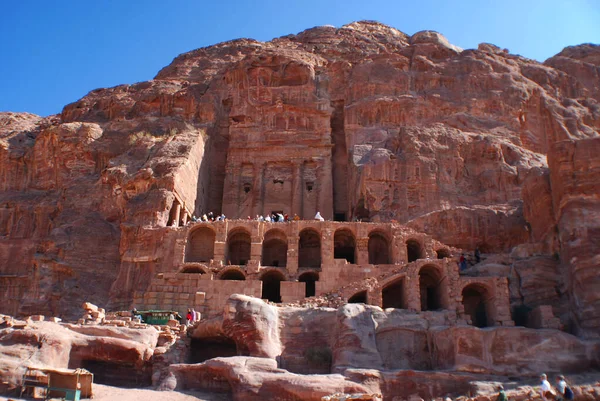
<point>477,255</point>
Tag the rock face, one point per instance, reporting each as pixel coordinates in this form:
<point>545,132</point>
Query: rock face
<point>475,147</point>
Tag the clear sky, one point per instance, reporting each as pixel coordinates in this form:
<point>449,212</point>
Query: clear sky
<point>54,52</point>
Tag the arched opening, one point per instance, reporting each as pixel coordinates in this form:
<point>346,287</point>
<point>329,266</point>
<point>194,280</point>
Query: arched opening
<point>274,249</point>
<point>344,245</point>
<point>358,298</point>
<point>392,295</point>
<point>474,298</point>
<point>271,286</point>
<point>442,253</point>
<point>203,349</point>
<point>201,245</point>
<point>310,278</point>
<point>309,249</point>
<point>379,249</point>
<point>413,250</point>
<point>430,288</point>
<point>232,274</point>
<point>238,248</point>
<point>192,269</point>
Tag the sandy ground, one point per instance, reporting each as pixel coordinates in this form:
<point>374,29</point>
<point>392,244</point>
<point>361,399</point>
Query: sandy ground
<point>108,393</point>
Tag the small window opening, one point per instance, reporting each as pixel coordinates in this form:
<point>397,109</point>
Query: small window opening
<point>309,186</point>
<point>277,181</point>
<point>247,187</point>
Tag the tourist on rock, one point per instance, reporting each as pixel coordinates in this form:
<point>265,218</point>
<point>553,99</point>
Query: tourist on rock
<point>280,218</point>
<point>286,218</point>
<point>463,262</point>
<point>296,217</point>
<point>546,389</point>
<point>319,217</point>
<point>188,317</point>
<point>501,394</point>
<point>564,390</point>
<point>477,255</point>
<point>268,219</point>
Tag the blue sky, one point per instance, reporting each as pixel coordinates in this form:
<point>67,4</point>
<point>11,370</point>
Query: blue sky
<point>54,52</point>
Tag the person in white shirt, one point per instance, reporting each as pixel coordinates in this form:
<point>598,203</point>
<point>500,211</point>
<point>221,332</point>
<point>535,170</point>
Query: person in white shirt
<point>546,388</point>
<point>319,217</point>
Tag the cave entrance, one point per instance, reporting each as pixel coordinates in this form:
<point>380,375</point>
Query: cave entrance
<point>274,252</point>
<point>430,288</point>
<point>238,248</point>
<point>379,249</point>
<point>344,245</point>
<point>271,286</point>
<point>475,301</point>
<point>201,245</point>
<point>442,253</point>
<point>310,279</point>
<point>392,295</point>
<point>358,298</point>
<point>117,374</point>
<point>413,250</point>
<point>203,349</point>
<point>232,274</point>
<point>309,254</point>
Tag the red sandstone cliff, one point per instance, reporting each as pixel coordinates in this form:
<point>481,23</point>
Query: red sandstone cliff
<point>475,147</point>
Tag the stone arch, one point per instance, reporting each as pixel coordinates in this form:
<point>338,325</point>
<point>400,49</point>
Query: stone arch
<point>477,303</point>
<point>274,249</point>
<point>194,269</point>
<point>238,247</point>
<point>431,288</point>
<point>414,250</point>
<point>358,298</point>
<point>200,245</point>
<point>379,248</point>
<point>271,285</point>
<point>393,294</point>
<point>442,253</point>
<point>232,274</point>
<point>309,278</point>
<point>309,248</point>
<point>344,245</point>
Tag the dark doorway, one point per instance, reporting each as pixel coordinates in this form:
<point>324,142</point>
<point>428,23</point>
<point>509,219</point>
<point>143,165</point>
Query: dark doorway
<point>379,249</point>
<point>339,217</point>
<point>203,349</point>
<point>358,298</point>
<point>238,248</point>
<point>310,278</point>
<point>274,252</point>
<point>125,375</point>
<point>393,295</point>
<point>201,245</point>
<point>344,246</point>
<point>442,253</point>
<point>309,252</point>
<point>413,250</point>
<point>271,286</point>
<point>473,298</point>
<point>429,284</point>
<point>232,274</point>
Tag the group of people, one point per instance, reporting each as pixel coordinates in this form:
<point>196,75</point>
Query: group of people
<point>270,218</point>
<point>463,259</point>
<point>191,316</point>
<point>561,392</point>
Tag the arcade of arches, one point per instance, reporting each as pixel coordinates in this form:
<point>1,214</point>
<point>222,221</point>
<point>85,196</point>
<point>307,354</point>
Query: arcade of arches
<point>382,264</point>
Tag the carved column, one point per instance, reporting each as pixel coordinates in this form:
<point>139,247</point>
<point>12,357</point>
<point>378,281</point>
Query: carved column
<point>398,248</point>
<point>326,247</point>
<point>362,251</point>
<point>175,222</point>
<point>297,191</point>
<point>292,254</point>
<point>325,200</point>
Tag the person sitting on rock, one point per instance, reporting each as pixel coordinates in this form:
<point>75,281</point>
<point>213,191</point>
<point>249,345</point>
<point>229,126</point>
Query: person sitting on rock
<point>564,391</point>
<point>546,390</point>
<point>477,255</point>
<point>319,217</point>
<point>296,217</point>
<point>463,262</point>
<point>501,394</point>
<point>188,317</point>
